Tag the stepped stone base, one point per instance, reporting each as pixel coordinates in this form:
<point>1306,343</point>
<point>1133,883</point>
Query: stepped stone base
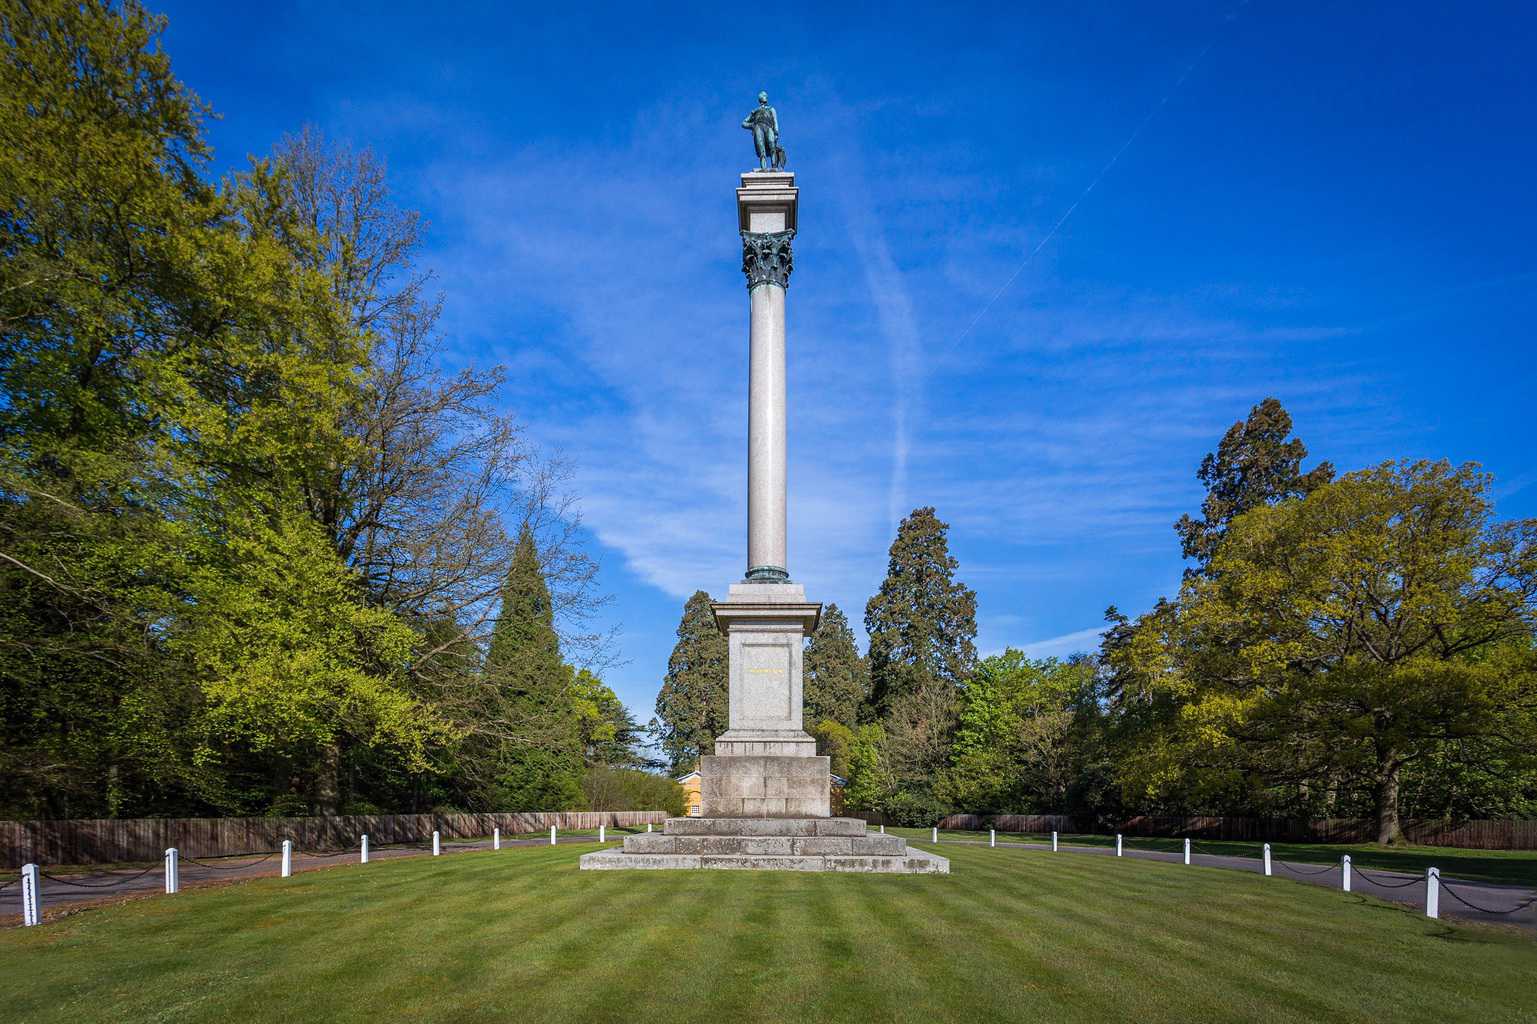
<point>767,844</point>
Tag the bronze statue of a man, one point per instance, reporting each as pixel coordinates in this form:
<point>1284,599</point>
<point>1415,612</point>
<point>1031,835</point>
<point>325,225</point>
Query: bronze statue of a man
<point>764,125</point>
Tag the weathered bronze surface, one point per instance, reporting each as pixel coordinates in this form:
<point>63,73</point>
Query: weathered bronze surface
<point>763,122</point>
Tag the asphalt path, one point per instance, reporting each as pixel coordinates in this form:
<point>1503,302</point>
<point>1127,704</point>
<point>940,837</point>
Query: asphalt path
<point>70,888</point>
<point>66,888</point>
<point>1489,901</point>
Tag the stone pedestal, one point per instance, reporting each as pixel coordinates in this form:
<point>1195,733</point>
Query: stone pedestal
<point>768,844</point>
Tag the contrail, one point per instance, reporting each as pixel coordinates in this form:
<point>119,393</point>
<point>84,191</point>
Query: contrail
<point>1109,165</point>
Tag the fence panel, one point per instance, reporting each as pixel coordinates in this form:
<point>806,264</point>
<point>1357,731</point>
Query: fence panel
<point>108,841</point>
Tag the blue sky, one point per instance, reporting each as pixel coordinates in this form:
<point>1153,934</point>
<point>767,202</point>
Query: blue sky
<point>1333,207</point>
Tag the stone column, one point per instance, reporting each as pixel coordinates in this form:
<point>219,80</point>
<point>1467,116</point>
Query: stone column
<point>765,765</point>
<point>766,211</point>
<point>767,489</point>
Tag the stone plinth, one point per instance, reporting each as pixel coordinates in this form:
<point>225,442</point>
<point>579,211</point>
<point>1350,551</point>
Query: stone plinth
<point>765,624</point>
<point>750,786</point>
<point>780,844</point>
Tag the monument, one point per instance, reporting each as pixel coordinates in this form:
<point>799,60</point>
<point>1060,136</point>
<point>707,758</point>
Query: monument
<point>764,792</point>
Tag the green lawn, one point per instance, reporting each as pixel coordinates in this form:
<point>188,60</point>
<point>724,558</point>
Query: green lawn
<point>1514,867</point>
<point>521,935</point>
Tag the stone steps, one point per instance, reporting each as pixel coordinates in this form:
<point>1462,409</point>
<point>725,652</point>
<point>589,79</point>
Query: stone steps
<point>767,846</point>
<point>913,862</point>
<point>764,827</point>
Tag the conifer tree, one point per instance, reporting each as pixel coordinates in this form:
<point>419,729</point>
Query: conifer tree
<point>922,624</point>
<point>1255,464</point>
<point>922,627</point>
<point>837,680</point>
<point>691,709</point>
<point>540,761</point>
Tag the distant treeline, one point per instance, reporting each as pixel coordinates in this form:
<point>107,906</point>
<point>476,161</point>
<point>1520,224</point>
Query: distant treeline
<point>1359,646</point>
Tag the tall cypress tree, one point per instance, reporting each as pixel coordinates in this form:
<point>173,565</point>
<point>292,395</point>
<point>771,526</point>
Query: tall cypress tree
<point>691,709</point>
<point>837,680</point>
<point>922,623</point>
<point>541,759</point>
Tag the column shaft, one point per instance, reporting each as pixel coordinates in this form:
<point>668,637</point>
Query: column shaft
<point>767,494</point>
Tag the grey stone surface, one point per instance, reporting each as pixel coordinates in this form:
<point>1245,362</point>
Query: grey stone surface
<point>763,827</point>
<point>765,626</point>
<point>759,786</point>
<point>913,862</point>
<point>767,844</point>
<point>776,846</point>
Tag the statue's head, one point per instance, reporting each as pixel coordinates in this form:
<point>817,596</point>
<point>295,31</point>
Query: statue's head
<point>763,97</point>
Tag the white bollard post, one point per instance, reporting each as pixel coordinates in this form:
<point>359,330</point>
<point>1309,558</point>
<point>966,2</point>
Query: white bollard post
<point>1433,892</point>
<point>602,835</point>
<point>288,857</point>
<point>1187,849</point>
<point>437,847</point>
<point>1118,844</point>
<point>172,872</point>
<point>31,896</point>
<point>992,837</point>
<point>496,839</point>
<point>365,848</point>
<point>1267,860</point>
<point>1053,842</point>
<point>648,826</point>
<point>1345,872</point>
<point>936,834</point>
<point>883,830</point>
<point>552,835</point>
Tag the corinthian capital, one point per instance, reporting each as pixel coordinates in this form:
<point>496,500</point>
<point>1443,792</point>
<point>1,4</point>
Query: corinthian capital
<point>766,258</point>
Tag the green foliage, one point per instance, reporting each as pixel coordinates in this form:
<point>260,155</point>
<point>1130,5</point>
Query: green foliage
<point>539,761</point>
<point>836,679</point>
<point>922,623</point>
<point>1373,625</point>
<point>870,782</point>
<point>691,709</point>
<point>835,741</point>
<point>239,542</point>
<point>1026,733</point>
<point>609,733</point>
<point>1255,465</point>
<point>608,788</point>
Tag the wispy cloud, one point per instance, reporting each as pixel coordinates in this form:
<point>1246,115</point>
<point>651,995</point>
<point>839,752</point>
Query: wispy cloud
<point>1077,642</point>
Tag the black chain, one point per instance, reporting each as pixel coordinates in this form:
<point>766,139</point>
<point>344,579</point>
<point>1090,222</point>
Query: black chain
<point>1485,910</point>
<point>6,885</point>
<point>228,867</point>
<point>1386,885</point>
<point>115,881</point>
<point>1295,871</point>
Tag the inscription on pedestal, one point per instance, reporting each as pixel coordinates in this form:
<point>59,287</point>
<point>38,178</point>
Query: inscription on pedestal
<point>766,682</point>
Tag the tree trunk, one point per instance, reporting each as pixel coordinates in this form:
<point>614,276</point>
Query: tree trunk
<point>1387,804</point>
<point>328,795</point>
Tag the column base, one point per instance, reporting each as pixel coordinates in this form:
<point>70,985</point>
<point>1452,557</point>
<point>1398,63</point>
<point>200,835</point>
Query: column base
<point>764,786</point>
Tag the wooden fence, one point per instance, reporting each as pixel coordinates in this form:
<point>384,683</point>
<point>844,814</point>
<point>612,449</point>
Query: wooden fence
<point>128,840</point>
<point>1470,835</point>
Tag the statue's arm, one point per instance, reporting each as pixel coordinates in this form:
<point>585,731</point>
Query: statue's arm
<point>747,121</point>
<point>774,116</point>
